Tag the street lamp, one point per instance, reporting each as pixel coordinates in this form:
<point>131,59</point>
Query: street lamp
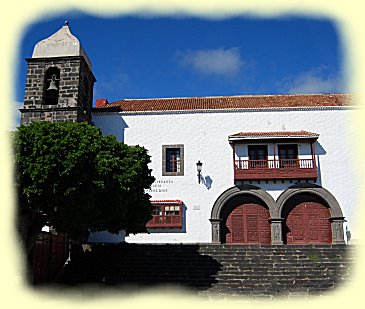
<point>199,169</point>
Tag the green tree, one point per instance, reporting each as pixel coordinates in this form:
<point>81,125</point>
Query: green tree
<point>72,178</point>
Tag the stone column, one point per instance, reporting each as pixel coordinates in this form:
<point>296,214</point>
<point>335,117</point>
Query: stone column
<point>216,230</point>
<point>337,230</point>
<point>276,231</point>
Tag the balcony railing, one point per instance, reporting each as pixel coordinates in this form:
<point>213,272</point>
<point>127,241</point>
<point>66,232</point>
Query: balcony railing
<point>165,221</point>
<point>275,169</point>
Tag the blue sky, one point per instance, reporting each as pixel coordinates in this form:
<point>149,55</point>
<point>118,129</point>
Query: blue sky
<point>151,57</point>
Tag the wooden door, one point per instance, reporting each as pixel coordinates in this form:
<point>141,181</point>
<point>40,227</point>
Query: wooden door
<point>309,223</point>
<point>249,224</point>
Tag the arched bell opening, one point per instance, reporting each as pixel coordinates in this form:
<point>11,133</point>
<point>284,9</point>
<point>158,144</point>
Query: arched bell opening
<point>51,86</point>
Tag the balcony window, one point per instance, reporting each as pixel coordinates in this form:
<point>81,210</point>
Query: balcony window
<point>257,155</point>
<point>288,155</point>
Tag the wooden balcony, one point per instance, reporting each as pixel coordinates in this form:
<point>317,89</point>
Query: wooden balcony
<point>166,214</point>
<point>165,221</point>
<point>275,169</point>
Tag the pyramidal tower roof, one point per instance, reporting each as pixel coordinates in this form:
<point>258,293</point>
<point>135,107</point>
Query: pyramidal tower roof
<point>60,44</point>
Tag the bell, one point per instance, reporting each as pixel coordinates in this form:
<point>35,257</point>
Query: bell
<point>52,84</point>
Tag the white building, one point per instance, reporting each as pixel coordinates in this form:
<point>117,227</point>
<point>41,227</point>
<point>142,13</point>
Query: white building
<point>276,169</point>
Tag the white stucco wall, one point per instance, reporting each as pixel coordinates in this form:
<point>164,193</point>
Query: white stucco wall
<point>205,138</point>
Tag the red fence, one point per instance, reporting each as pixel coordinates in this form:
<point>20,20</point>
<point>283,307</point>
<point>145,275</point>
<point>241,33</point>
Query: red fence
<point>49,255</point>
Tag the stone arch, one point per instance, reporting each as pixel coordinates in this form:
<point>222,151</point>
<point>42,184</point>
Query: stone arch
<point>234,192</point>
<point>336,219</point>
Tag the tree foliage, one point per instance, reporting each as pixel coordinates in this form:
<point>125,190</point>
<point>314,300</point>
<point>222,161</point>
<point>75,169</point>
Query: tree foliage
<point>71,177</point>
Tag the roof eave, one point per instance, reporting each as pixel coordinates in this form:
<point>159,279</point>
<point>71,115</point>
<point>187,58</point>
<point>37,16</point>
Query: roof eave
<point>270,138</point>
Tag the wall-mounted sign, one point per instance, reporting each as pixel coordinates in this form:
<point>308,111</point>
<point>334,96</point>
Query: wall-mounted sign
<point>159,186</point>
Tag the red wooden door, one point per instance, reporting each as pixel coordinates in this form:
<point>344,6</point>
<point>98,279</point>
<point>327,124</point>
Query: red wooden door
<point>309,223</point>
<point>249,224</point>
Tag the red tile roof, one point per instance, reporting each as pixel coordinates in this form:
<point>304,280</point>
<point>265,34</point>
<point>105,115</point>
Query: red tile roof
<point>229,102</point>
<point>276,134</point>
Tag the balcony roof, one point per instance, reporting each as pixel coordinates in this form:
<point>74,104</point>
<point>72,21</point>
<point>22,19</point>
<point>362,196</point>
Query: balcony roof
<point>249,136</point>
<point>165,202</point>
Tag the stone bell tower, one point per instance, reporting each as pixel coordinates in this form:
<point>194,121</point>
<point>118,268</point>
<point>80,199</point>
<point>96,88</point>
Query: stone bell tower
<point>59,85</point>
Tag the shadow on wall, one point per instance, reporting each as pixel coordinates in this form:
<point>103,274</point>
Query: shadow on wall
<point>142,265</point>
<point>319,152</point>
<point>112,125</point>
<point>106,237</point>
<point>206,181</point>
<point>319,149</point>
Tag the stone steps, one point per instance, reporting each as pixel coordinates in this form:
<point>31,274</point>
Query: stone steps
<point>215,270</point>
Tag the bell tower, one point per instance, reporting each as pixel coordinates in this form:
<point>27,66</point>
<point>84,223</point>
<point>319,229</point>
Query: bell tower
<point>60,82</point>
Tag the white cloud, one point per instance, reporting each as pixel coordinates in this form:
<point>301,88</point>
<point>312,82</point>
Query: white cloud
<point>317,80</point>
<point>218,61</point>
<point>117,82</point>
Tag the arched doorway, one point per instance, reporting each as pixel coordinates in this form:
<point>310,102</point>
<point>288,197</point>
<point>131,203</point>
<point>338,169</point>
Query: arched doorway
<point>322,218</point>
<point>248,224</point>
<point>242,214</point>
<point>321,203</point>
<point>307,220</point>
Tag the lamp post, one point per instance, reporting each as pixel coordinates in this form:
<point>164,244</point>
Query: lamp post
<point>199,169</point>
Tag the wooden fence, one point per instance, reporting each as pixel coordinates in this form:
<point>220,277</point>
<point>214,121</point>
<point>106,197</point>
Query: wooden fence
<point>49,255</point>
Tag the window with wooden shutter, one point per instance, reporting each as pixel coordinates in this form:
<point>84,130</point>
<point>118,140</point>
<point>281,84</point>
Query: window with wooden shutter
<point>172,160</point>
